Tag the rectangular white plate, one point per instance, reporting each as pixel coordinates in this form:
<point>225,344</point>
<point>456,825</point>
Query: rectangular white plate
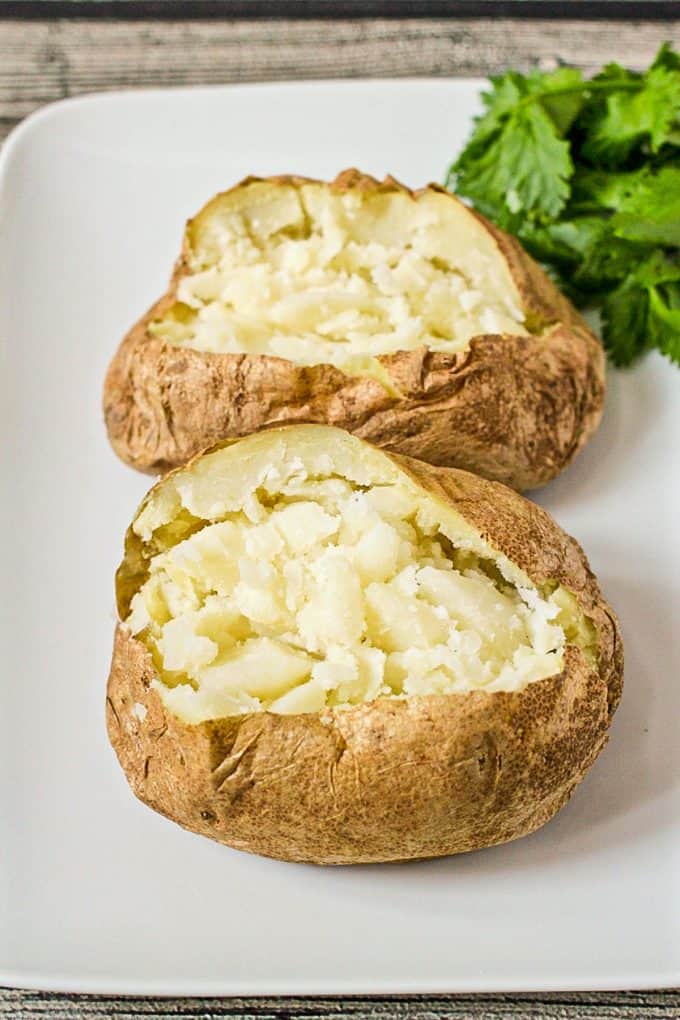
<point>99,893</point>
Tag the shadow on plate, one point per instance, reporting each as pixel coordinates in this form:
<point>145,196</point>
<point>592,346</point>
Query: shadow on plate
<point>628,792</point>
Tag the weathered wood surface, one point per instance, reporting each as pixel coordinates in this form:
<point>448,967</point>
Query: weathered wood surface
<point>574,1006</point>
<point>41,61</point>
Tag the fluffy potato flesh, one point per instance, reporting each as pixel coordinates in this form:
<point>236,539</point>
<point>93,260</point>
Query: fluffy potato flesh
<point>301,568</point>
<point>317,275</point>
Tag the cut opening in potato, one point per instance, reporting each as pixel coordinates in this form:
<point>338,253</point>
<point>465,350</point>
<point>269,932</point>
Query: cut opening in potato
<point>319,275</point>
<point>301,568</point>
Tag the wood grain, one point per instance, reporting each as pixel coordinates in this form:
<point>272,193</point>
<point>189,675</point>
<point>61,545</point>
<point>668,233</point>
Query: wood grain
<point>574,1006</point>
<point>45,60</point>
<point>41,61</point>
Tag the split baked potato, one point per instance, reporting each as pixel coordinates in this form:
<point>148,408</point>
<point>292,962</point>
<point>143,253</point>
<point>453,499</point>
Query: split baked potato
<point>404,317</point>
<point>328,653</point>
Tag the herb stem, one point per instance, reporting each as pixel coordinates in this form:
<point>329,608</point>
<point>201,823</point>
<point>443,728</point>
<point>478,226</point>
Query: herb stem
<point>586,86</point>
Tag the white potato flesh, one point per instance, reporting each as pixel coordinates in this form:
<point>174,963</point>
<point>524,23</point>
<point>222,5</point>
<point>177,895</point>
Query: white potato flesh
<point>318,276</point>
<point>335,591</point>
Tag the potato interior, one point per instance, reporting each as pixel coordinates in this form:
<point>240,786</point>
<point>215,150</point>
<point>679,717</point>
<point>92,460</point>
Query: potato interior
<point>288,584</point>
<point>316,276</point>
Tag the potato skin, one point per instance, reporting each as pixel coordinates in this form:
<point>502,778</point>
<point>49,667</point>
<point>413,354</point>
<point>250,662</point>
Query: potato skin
<point>387,780</point>
<point>516,409</point>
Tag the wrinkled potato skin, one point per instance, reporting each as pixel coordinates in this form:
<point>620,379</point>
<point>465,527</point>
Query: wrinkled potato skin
<point>387,780</point>
<point>516,409</point>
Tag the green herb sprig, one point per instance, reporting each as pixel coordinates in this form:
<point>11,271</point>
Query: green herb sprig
<point>587,174</point>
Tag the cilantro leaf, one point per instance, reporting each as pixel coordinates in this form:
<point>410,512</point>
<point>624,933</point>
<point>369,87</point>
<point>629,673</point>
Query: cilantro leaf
<point>667,58</point>
<point>651,212</point>
<point>624,321</point>
<point>600,190</point>
<point>658,268</point>
<point>516,163</point>
<point>664,320</point>
<point>561,247</point>
<point>526,171</point>
<point>501,101</point>
<point>565,242</point>
<point>608,260</point>
<point>644,311</point>
<point>508,89</point>
<point>638,111</point>
<point>561,94</point>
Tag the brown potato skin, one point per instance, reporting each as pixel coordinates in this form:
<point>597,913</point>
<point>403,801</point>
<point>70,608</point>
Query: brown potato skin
<point>516,409</point>
<point>387,780</point>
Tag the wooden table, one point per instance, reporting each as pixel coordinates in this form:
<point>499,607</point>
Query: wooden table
<point>47,58</point>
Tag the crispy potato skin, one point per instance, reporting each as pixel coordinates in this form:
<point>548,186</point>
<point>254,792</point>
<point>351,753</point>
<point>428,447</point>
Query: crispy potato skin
<point>516,409</point>
<point>387,780</point>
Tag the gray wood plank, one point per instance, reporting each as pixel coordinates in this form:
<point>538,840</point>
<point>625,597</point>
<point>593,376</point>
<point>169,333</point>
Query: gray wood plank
<point>575,1006</point>
<point>41,61</point>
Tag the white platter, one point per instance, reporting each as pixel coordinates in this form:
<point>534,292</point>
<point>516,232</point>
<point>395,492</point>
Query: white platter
<point>97,892</point>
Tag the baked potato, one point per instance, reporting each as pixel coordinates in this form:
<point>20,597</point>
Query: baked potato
<point>404,317</point>
<point>328,653</point>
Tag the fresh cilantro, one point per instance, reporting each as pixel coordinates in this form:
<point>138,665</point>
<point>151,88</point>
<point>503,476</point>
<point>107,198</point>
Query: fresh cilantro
<point>587,174</point>
<point>527,152</point>
<point>606,261</point>
<point>596,190</point>
<point>651,212</point>
<point>668,58</point>
<point>646,114</point>
<point>560,93</point>
<point>624,317</point>
<point>644,311</point>
<point>506,93</point>
<point>664,321</point>
<point>564,242</point>
<point>518,138</point>
<point>660,275</point>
